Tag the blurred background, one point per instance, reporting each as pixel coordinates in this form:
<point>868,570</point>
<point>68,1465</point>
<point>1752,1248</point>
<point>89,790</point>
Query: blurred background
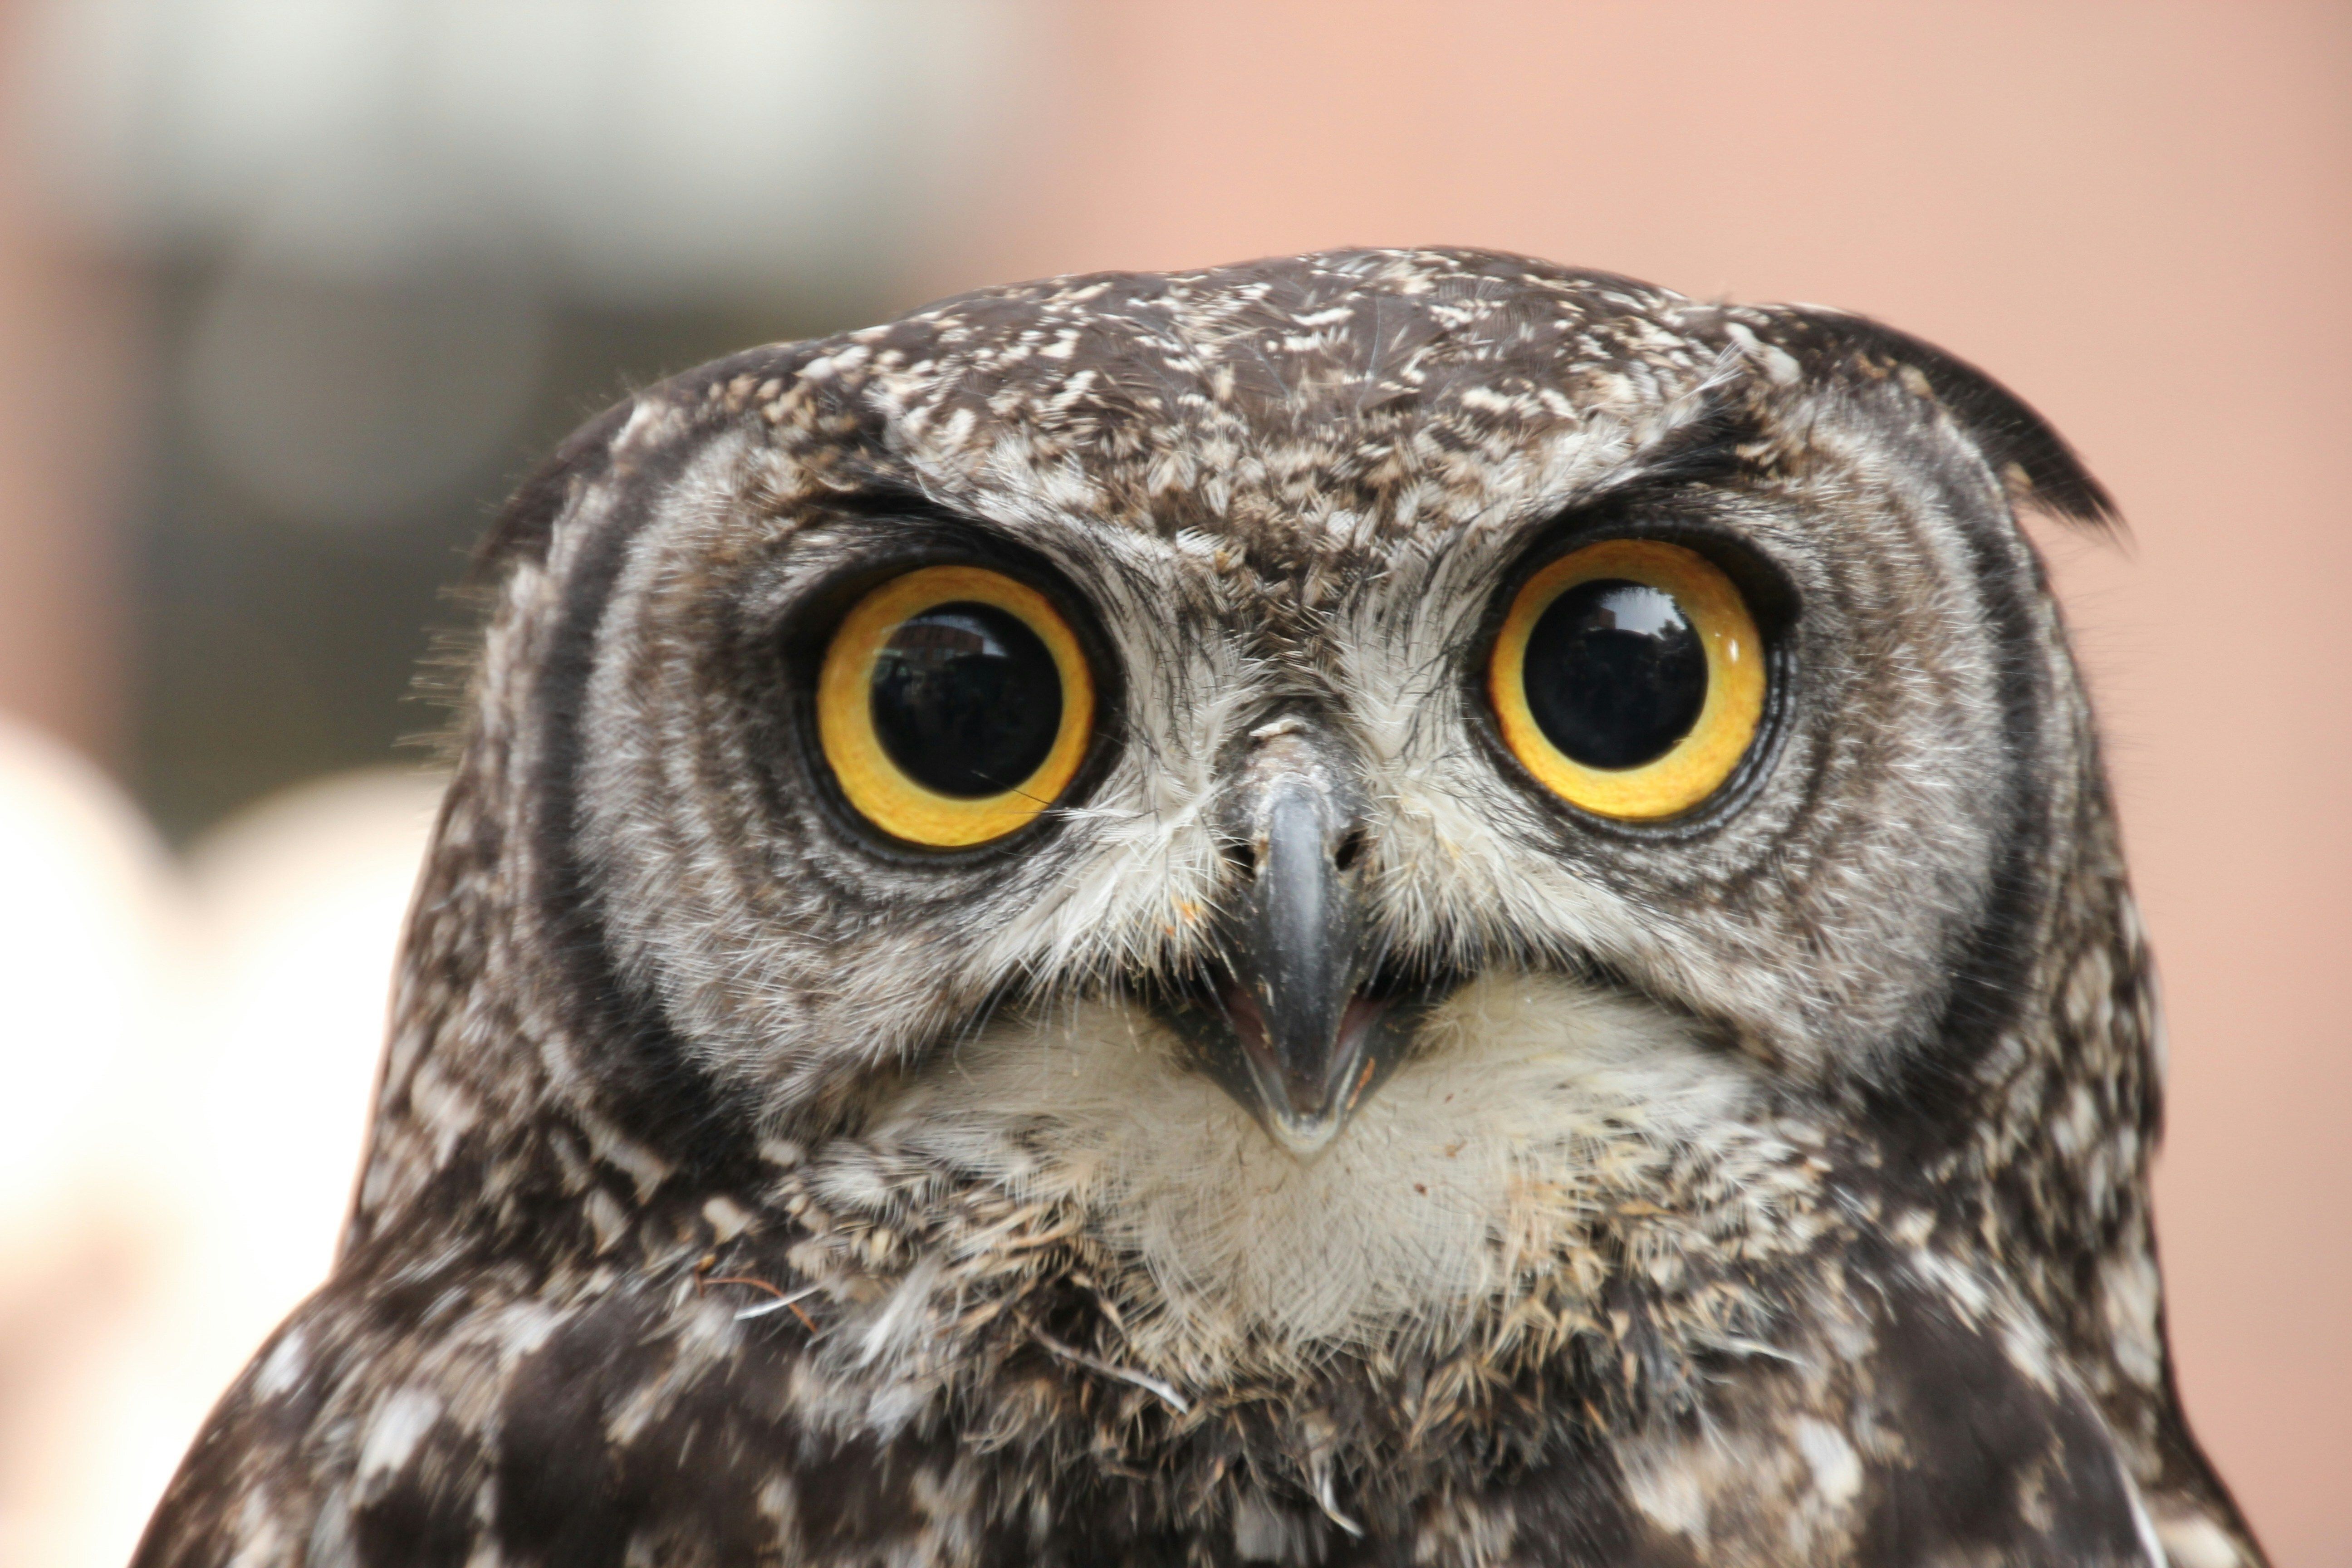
<point>292,291</point>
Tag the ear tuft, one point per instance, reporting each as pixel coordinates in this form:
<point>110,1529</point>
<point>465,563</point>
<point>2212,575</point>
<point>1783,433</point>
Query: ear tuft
<point>2033,462</point>
<point>526,525</point>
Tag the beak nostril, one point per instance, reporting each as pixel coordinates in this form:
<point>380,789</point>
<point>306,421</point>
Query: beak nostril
<point>1243,858</point>
<point>1350,851</point>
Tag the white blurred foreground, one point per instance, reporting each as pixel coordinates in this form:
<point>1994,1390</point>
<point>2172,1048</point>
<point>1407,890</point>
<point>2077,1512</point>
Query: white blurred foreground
<point>186,1050</point>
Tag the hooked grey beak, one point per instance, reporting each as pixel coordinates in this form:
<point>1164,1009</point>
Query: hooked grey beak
<point>1291,1032</point>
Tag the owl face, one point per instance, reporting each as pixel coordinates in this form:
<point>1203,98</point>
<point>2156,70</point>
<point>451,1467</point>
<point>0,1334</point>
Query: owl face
<point>1268,687</point>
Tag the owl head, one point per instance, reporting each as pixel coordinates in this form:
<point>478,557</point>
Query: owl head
<point>1285,681</point>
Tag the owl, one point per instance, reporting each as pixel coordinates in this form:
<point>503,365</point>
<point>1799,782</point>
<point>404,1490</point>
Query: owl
<point>1389,907</point>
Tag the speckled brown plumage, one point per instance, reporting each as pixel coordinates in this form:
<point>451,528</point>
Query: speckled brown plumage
<point>1769,1186</point>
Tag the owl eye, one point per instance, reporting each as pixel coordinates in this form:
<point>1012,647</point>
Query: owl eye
<point>954,705</point>
<point>1629,678</point>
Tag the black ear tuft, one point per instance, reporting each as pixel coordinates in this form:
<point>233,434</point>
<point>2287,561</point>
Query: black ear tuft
<point>526,525</point>
<point>2032,460</point>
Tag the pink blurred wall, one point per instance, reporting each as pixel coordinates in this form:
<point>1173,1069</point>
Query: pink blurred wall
<point>67,418</point>
<point>2135,216</point>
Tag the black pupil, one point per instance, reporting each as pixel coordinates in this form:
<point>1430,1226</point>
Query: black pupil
<point>1615,673</point>
<point>966,700</point>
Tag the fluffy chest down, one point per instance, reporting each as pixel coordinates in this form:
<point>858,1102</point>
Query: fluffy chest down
<point>1535,1115</point>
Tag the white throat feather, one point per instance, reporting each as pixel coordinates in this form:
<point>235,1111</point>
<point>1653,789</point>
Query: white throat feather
<point>1536,1109</point>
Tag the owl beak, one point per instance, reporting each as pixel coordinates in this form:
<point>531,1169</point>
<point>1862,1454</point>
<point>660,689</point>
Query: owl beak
<point>1293,996</point>
<point>1303,1044</point>
<point>1298,1020</point>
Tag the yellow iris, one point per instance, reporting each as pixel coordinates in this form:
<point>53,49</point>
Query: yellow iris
<point>1645,683</point>
<point>954,705</point>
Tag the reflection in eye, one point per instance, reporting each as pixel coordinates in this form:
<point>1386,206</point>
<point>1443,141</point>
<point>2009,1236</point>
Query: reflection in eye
<point>1615,673</point>
<point>966,700</point>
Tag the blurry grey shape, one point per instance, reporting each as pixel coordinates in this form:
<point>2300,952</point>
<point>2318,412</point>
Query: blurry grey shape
<point>375,344</point>
<point>660,150</point>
